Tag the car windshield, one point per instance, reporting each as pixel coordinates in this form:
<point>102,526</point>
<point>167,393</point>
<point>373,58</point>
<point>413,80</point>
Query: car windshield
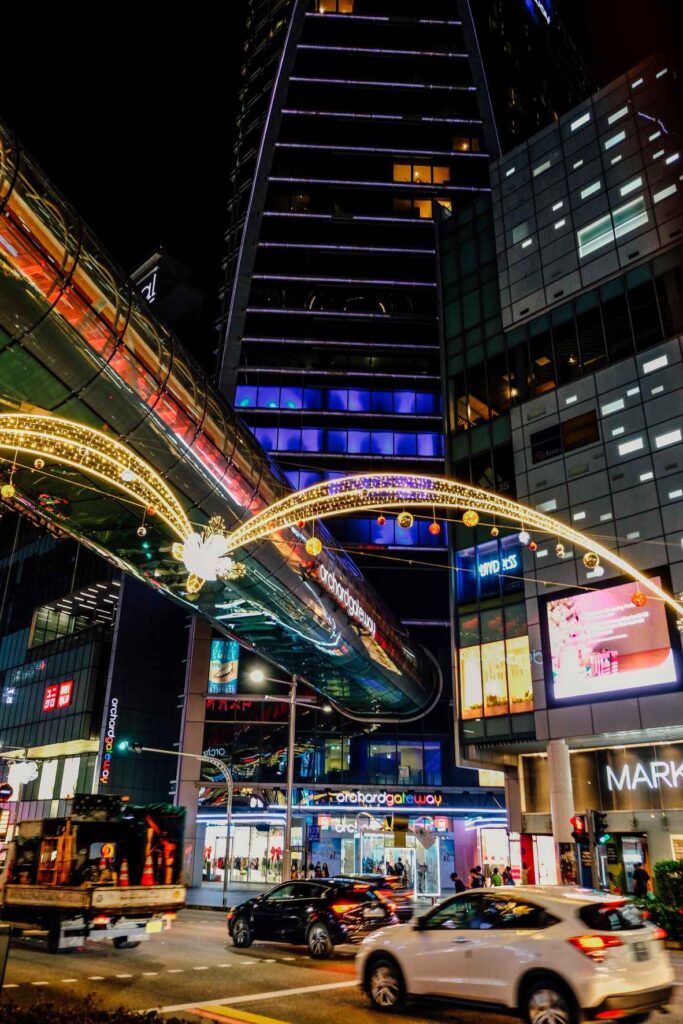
<point>611,917</point>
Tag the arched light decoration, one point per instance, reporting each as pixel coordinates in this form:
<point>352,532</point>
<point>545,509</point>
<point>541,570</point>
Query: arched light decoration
<point>388,490</point>
<point>96,453</point>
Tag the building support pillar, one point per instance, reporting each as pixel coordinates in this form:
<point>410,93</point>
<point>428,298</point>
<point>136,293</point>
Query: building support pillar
<point>561,801</point>
<point>192,742</point>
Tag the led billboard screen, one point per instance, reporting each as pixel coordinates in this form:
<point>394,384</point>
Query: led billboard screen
<point>600,645</point>
<point>223,666</point>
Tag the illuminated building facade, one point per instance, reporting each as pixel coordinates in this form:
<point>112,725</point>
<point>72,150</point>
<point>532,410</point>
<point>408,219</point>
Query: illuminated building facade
<point>562,317</point>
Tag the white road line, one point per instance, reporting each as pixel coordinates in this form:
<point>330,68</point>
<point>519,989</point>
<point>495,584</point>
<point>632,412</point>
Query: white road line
<point>40,982</point>
<point>289,958</point>
<point>10,985</point>
<point>96,977</point>
<point>123,975</point>
<point>269,961</point>
<point>259,997</point>
<point>200,968</point>
<point>224,965</point>
<point>175,970</point>
<point>150,974</point>
<point>68,981</point>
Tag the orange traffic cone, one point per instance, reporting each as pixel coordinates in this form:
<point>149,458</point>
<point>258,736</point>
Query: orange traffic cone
<point>102,865</point>
<point>148,873</point>
<point>123,874</point>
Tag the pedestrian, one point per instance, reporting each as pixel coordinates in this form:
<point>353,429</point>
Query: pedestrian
<point>525,873</point>
<point>476,880</point>
<point>640,880</point>
<point>326,870</point>
<point>391,870</point>
<point>457,882</point>
<point>496,878</point>
<point>400,868</point>
<point>507,876</point>
<point>311,872</point>
<point>318,873</point>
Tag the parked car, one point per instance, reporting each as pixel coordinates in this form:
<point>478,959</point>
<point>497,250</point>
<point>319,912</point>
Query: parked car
<point>553,954</point>
<point>391,888</point>
<point>322,914</point>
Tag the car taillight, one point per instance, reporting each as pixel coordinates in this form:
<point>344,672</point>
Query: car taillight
<point>342,908</point>
<point>610,1014</point>
<point>100,919</point>
<point>659,933</point>
<point>231,913</point>
<point>594,946</point>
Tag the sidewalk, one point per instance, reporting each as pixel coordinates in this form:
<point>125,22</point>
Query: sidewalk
<point>209,896</point>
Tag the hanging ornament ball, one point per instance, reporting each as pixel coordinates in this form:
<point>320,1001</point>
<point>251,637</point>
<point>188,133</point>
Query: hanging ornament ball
<point>151,511</point>
<point>405,520</point>
<point>381,520</point>
<point>638,598</point>
<point>82,450</point>
<point>7,490</point>
<point>313,546</point>
<point>559,550</point>
<point>591,560</point>
<point>39,463</point>
<point>524,537</point>
<point>494,531</point>
<point>142,531</point>
<point>533,546</point>
<point>300,524</point>
<point>434,529</point>
<point>470,518</point>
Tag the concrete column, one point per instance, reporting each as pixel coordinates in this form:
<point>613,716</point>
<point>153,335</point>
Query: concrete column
<point>191,742</point>
<point>560,789</point>
<point>513,799</point>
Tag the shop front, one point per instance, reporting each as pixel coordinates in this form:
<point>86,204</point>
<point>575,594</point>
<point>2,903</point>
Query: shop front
<point>640,790</point>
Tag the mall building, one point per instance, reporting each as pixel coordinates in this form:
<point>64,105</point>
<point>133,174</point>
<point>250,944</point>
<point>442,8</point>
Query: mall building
<point>562,312</point>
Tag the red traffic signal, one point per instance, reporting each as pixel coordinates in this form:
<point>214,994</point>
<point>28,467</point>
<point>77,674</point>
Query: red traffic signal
<point>578,823</point>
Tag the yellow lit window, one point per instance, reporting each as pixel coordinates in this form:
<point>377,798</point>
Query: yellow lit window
<point>446,203</point>
<point>335,6</point>
<point>402,172</point>
<point>424,207</point>
<point>423,173</point>
<point>441,174</point>
<point>462,143</point>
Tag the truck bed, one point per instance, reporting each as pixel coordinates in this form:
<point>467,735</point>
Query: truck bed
<point>112,898</point>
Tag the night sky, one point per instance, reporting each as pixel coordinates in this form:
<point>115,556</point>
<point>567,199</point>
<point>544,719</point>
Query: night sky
<point>136,127</point>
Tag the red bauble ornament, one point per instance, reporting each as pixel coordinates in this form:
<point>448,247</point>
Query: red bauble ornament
<point>533,546</point>
<point>434,529</point>
<point>638,598</point>
<point>301,524</point>
<point>381,520</point>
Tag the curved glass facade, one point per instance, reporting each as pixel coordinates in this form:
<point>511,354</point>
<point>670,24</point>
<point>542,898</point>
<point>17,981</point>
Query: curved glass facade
<point>77,341</point>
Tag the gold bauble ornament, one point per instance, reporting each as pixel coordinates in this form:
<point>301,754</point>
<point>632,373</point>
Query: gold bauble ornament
<point>142,531</point>
<point>313,546</point>
<point>8,490</point>
<point>591,560</point>
<point>39,463</point>
<point>405,520</point>
<point>559,550</point>
<point>470,518</point>
<point>494,531</point>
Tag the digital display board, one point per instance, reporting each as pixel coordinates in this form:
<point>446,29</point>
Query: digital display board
<point>599,645</point>
<point>223,667</point>
<point>495,678</point>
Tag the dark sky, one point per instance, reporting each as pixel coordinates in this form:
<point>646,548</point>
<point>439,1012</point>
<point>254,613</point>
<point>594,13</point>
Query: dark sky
<point>135,122</point>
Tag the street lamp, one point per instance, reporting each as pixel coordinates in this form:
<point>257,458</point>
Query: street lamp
<point>257,675</point>
<point>137,748</point>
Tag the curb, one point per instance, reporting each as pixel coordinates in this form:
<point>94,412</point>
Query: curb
<point>205,906</point>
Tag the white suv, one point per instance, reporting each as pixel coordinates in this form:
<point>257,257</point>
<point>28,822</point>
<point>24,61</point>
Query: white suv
<point>553,954</point>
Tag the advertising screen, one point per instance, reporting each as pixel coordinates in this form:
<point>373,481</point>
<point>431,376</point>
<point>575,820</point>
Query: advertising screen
<point>495,678</point>
<point>600,645</point>
<point>223,666</point>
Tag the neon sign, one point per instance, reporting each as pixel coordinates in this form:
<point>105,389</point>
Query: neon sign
<point>495,565</point>
<point>649,774</point>
<point>346,599</point>
<point>540,6</point>
<point>109,737</point>
<point>58,695</point>
<point>357,798</point>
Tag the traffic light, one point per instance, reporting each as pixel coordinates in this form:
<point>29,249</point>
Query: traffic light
<point>580,832</point>
<point>124,745</point>
<point>600,833</point>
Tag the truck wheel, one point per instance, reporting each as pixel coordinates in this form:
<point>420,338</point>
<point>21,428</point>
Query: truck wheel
<point>122,942</point>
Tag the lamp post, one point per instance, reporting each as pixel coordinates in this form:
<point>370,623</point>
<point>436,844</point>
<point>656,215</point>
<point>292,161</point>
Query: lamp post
<point>216,763</point>
<point>258,676</point>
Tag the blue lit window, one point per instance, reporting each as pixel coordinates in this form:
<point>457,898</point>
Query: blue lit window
<point>357,531</point>
<point>245,397</point>
<point>288,440</point>
<point>425,404</point>
<point>429,445</point>
<point>312,398</point>
<point>382,401</point>
<point>336,441</point>
<point>404,401</point>
<point>337,399</point>
<point>269,398</point>
<point>359,401</point>
<point>382,534</point>
<point>267,437</point>
<point>405,444</point>
<point>429,540</point>
<point>382,442</point>
<point>291,398</point>
<point>359,442</point>
<point>311,440</point>
<point>407,538</point>
<point>307,479</point>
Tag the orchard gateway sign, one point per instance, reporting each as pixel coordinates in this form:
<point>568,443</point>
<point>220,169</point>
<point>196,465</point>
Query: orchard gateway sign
<point>645,774</point>
<point>109,737</point>
<point>353,798</point>
<point>345,598</point>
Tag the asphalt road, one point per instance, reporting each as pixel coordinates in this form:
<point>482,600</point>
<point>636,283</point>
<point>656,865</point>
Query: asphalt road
<point>193,972</point>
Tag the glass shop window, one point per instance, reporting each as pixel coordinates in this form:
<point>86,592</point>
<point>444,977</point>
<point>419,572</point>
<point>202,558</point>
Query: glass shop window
<point>268,398</point>
<point>382,442</point>
<point>291,398</point>
<point>404,402</point>
<point>405,444</point>
<point>359,442</point>
<point>359,401</point>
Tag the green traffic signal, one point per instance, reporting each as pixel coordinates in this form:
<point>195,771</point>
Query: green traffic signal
<point>122,745</point>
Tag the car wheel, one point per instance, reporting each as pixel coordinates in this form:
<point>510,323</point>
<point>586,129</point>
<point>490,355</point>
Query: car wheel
<point>548,1001</point>
<point>241,933</point>
<point>122,942</point>
<point>385,986</point>
<point>319,941</point>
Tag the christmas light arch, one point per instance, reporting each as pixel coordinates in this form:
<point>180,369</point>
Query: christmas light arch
<point>370,492</point>
<point>52,439</point>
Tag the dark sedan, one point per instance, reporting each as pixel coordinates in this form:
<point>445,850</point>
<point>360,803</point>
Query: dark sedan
<point>391,888</point>
<point>320,914</point>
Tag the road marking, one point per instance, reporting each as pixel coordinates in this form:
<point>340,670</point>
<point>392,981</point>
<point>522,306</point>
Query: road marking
<point>200,968</point>
<point>96,977</point>
<point>289,958</point>
<point>150,974</point>
<point>269,961</point>
<point>9,985</point>
<point>123,975</point>
<point>175,970</point>
<point>225,1015</point>
<point>225,965</point>
<point>259,997</point>
<point>68,981</point>
<point>40,982</point>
